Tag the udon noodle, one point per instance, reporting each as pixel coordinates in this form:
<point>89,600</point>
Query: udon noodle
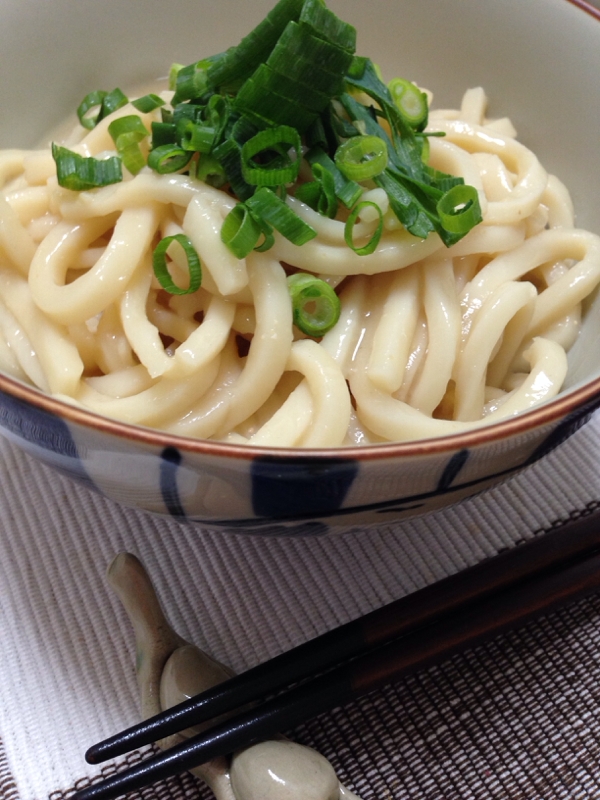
<point>431,340</point>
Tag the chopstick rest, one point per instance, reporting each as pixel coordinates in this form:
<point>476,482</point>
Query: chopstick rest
<point>170,668</point>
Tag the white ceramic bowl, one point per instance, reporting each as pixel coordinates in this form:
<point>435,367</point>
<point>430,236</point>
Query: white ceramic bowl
<point>539,61</point>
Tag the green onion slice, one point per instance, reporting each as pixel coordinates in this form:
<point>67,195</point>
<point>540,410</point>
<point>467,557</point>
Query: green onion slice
<point>274,144</point>
<point>173,72</point>
<point>210,171</point>
<point>320,193</point>
<point>111,102</point>
<point>195,137</point>
<point>266,206</point>
<point>91,102</point>
<point>459,209</point>
<point>240,231</point>
<point>168,158</point>
<point>315,306</point>
<point>148,103</point>
<point>127,132</point>
<point>362,157</point>
<point>191,81</point>
<point>159,264</point>
<point>410,101</point>
<point>79,173</point>
<point>371,245</point>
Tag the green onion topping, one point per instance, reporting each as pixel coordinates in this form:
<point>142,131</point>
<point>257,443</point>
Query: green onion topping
<point>411,102</point>
<point>258,118</point>
<point>240,231</point>
<point>168,158</point>
<point>362,157</point>
<point>79,173</point>
<point>91,102</point>
<point>315,305</point>
<point>371,245</point>
<point>148,103</point>
<point>459,209</point>
<point>275,212</point>
<point>159,264</point>
<point>274,145</point>
<point>127,132</point>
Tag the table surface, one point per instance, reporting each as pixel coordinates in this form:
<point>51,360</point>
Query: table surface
<point>516,718</point>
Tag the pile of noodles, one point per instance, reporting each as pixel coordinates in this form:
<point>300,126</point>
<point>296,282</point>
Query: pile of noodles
<point>431,340</point>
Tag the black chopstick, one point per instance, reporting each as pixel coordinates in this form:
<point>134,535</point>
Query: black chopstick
<point>351,640</point>
<point>477,622</point>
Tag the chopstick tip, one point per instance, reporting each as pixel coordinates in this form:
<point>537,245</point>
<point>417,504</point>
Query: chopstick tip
<point>93,755</point>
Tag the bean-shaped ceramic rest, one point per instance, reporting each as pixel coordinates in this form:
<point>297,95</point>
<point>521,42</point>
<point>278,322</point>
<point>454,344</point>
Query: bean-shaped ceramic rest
<point>170,670</point>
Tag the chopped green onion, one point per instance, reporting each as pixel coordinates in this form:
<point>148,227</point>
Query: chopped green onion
<point>267,206</point>
<point>163,133</point>
<point>320,193</point>
<point>148,103</point>
<point>362,157</point>
<point>315,306</point>
<point>256,46</point>
<point>79,173</point>
<point>191,81</point>
<point>346,191</point>
<point>327,25</point>
<point>411,102</point>
<point>168,158</point>
<point>371,245</point>
<point>91,102</point>
<point>111,102</point>
<point>228,154</point>
<point>127,132</point>
<point>210,171</point>
<point>240,231</point>
<point>159,264</point>
<point>459,209</point>
<point>279,170</point>
<point>173,72</point>
<point>194,136</point>
<point>290,94</point>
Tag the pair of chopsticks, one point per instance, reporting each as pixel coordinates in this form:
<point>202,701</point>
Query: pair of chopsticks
<point>417,631</point>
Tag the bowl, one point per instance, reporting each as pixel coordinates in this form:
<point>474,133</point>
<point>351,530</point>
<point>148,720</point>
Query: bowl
<point>538,62</point>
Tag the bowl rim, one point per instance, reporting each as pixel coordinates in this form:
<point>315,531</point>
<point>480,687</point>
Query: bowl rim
<point>585,6</point>
<point>586,396</point>
<point>547,413</point>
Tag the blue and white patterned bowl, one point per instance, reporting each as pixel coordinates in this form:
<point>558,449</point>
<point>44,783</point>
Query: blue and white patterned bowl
<point>538,60</point>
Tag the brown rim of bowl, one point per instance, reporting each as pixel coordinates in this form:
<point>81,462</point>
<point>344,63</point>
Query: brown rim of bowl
<point>537,417</point>
<point>545,414</point>
<point>592,10</point>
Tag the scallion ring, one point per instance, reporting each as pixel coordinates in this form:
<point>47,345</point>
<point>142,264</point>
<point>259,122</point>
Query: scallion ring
<point>315,305</point>
<point>371,245</point>
<point>410,101</point>
<point>111,102</point>
<point>459,209</point>
<point>91,102</point>
<point>159,264</point>
<point>362,157</point>
<point>240,232</point>
<point>276,144</point>
<point>168,158</point>
<point>195,137</point>
<point>127,132</point>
